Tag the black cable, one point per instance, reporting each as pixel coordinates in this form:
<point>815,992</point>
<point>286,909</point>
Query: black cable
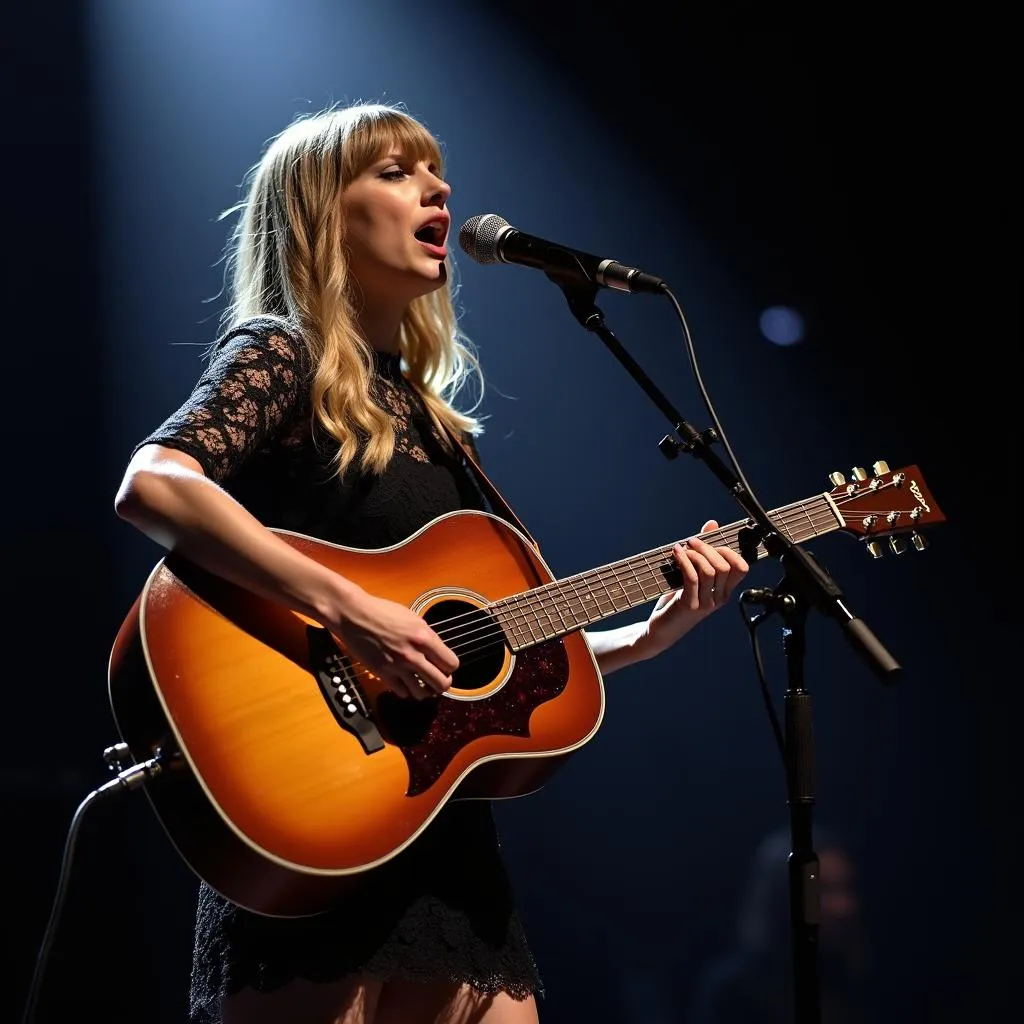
<point>126,780</point>
<point>752,622</point>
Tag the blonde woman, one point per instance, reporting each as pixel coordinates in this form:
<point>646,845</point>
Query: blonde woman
<point>328,407</point>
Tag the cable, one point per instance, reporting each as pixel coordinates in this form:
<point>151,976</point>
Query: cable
<point>753,596</point>
<point>130,778</point>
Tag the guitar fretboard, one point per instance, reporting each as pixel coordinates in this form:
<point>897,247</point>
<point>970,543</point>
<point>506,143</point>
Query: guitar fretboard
<point>576,602</point>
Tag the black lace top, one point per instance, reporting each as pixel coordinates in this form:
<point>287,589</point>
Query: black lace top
<point>248,423</point>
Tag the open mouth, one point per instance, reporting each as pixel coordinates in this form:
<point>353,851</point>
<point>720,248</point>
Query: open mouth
<point>433,234</point>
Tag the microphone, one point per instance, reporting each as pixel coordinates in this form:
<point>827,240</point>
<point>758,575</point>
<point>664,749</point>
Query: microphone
<point>489,238</point>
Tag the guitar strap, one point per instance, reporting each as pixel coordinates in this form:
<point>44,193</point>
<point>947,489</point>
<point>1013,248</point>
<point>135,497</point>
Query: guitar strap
<point>490,491</point>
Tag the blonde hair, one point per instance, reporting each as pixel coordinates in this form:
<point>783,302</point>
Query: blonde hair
<point>285,258</point>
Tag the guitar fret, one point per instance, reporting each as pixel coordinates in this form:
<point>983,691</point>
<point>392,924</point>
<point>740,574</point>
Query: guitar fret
<point>580,611</point>
<point>546,607</point>
<point>565,601</point>
<point>567,605</point>
<point>581,617</point>
<point>526,609</point>
<point>783,528</point>
<point>807,516</point>
<point>655,576</point>
<point>516,623</point>
<point>560,607</point>
<point>523,622</point>
<point>607,592</point>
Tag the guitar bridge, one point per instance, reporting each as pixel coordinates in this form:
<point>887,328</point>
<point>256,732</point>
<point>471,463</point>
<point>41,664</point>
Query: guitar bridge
<point>338,685</point>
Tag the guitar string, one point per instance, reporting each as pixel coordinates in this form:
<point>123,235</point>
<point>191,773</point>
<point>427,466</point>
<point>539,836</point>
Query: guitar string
<point>525,610</point>
<point>631,578</point>
<point>783,517</point>
<point>480,639</point>
<point>624,569</point>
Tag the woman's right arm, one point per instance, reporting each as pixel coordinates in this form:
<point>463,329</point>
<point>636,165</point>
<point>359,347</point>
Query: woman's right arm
<point>166,495</point>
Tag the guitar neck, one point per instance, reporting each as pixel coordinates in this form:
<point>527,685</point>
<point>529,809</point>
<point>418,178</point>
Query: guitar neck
<point>576,602</point>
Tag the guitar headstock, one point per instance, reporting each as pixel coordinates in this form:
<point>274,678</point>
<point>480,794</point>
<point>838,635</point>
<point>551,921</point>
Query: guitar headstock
<point>887,503</point>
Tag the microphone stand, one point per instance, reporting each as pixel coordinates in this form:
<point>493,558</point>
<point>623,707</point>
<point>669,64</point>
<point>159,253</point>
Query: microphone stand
<point>804,585</point>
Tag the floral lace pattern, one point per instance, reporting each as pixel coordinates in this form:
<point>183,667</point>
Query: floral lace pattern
<point>418,917</point>
<point>392,393</point>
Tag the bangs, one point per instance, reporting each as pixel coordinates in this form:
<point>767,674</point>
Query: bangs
<point>374,132</point>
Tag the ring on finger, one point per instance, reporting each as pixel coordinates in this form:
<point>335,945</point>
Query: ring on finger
<point>419,680</point>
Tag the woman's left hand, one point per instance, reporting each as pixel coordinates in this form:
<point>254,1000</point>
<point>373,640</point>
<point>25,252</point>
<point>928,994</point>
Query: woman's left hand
<point>710,575</point>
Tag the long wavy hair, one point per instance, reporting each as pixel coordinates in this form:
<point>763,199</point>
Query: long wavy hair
<point>285,258</point>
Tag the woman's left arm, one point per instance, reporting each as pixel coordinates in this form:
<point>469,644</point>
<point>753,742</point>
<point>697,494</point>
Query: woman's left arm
<point>710,575</point>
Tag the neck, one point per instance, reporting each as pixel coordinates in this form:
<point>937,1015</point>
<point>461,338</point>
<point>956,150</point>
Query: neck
<point>382,327</point>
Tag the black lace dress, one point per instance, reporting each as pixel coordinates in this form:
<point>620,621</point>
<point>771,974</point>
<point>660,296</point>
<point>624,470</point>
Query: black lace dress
<point>443,908</point>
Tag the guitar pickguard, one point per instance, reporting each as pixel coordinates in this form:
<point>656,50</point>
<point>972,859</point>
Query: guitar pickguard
<point>431,732</point>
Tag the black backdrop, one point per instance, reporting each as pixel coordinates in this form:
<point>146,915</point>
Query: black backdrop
<point>894,165</point>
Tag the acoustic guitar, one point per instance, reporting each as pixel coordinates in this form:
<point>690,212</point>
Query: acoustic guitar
<point>291,769</point>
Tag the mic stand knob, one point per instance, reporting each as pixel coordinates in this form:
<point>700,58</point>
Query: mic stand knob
<point>116,755</point>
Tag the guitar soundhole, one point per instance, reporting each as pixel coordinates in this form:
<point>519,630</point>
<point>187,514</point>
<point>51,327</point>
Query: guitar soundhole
<point>474,636</point>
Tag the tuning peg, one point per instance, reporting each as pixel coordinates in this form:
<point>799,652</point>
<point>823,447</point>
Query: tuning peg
<point>880,468</point>
<point>859,473</point>
<point>837,479</point>
<point>897,545</point>
<point>875,549</point>
<point>918,541</point>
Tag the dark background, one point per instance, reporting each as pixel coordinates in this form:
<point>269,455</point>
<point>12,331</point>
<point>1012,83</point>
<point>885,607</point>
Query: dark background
<point>862,169</point>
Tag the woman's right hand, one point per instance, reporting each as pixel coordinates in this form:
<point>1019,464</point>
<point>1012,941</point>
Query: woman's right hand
<point>394,643</point>
<point>167,495</point>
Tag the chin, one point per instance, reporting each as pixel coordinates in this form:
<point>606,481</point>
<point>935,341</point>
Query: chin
<point>436,280</point>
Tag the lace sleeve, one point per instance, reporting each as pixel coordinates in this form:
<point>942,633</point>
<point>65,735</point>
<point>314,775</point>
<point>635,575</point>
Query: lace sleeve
<point>249,394</point>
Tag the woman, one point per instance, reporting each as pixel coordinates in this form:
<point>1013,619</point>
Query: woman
<point>327,408</point>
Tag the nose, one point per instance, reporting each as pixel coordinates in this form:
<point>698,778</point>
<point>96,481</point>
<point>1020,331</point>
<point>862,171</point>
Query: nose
<point>437,191</point>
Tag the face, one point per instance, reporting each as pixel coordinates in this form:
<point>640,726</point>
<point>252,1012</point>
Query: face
<point>397,229</point>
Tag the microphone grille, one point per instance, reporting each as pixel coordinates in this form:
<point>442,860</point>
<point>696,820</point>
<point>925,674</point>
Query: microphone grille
<point>479,237</point>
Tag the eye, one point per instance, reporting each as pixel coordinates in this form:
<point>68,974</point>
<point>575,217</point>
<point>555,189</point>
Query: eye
<point>393,174</point>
